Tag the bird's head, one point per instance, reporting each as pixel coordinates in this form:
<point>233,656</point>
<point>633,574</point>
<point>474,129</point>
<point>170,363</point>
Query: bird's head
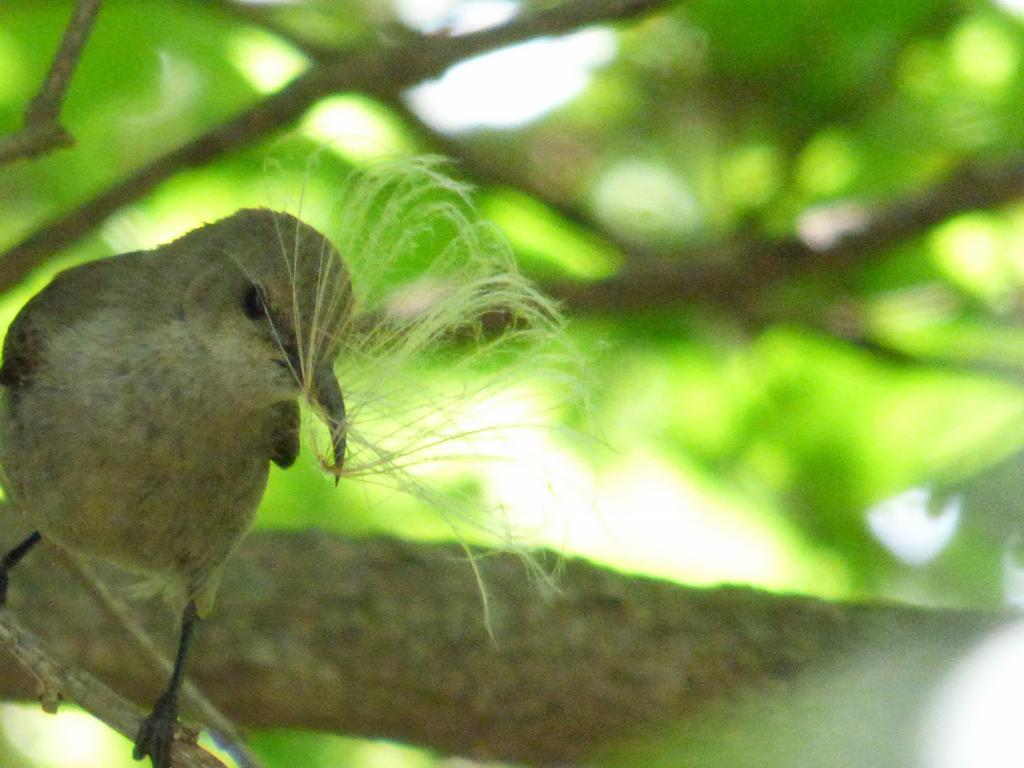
<point>269,298</point>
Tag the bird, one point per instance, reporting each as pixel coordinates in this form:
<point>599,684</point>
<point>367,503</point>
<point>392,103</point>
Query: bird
<point>144,396</point>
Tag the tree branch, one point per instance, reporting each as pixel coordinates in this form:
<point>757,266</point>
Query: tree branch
<point>735,276</point>
<point>738,275</point>
<point>386,639</point>
<point>43,131</point>
<point>122,616</point>
<point>378,72</point>
<point>59,680</point>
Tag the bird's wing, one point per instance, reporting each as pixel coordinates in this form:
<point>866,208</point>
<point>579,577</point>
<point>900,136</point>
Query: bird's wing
<point>72,297</point>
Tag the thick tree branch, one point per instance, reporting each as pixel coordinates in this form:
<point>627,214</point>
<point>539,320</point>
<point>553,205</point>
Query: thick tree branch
<point>43,131</point>
<point>382,638</point>
<point>377,71</point>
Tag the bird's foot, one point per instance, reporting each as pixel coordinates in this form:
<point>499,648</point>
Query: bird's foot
<point>156,734</point>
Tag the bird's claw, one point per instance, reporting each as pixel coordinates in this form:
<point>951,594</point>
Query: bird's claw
<point>155,738</point>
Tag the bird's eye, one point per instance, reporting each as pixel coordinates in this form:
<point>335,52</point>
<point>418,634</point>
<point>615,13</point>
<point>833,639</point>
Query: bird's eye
<point>253,303</point>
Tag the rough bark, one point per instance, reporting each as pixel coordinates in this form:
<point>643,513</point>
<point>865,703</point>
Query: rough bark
<point>384,638</point>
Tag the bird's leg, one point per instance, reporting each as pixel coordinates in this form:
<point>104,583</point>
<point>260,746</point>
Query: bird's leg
<point>156,735</point>
<point>12,558</point>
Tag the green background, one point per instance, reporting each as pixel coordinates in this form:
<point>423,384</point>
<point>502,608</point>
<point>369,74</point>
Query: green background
<point>723,438</point>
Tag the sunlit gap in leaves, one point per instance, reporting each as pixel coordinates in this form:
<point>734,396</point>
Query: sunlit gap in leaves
<point>354,127</point>
<point>980,253</point>
<point>829,163</point>
<point>906,525</point>
<point>984,55</point>
<point>656,517</point>
<point>974,717</point>
<point>457,17</point>
<point>357,129</point>
<point>1016,7</point>
<point>646,200</point>
<point>514,85</point>
<point>266,61</point>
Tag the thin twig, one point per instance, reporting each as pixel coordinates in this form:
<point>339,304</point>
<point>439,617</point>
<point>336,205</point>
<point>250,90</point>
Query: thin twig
<point>226,732</point>
<point>43,131</point>
<point>58,679</point>
<point>378,72</point>
<point>45,107</point>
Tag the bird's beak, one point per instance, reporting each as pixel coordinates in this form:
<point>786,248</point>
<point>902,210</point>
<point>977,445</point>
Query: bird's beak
<point>327,394</point>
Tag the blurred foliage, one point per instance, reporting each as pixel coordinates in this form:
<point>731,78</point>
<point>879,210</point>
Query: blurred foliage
<point>744,443</point>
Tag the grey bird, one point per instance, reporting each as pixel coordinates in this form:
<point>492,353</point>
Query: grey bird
<point>145,395</point>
